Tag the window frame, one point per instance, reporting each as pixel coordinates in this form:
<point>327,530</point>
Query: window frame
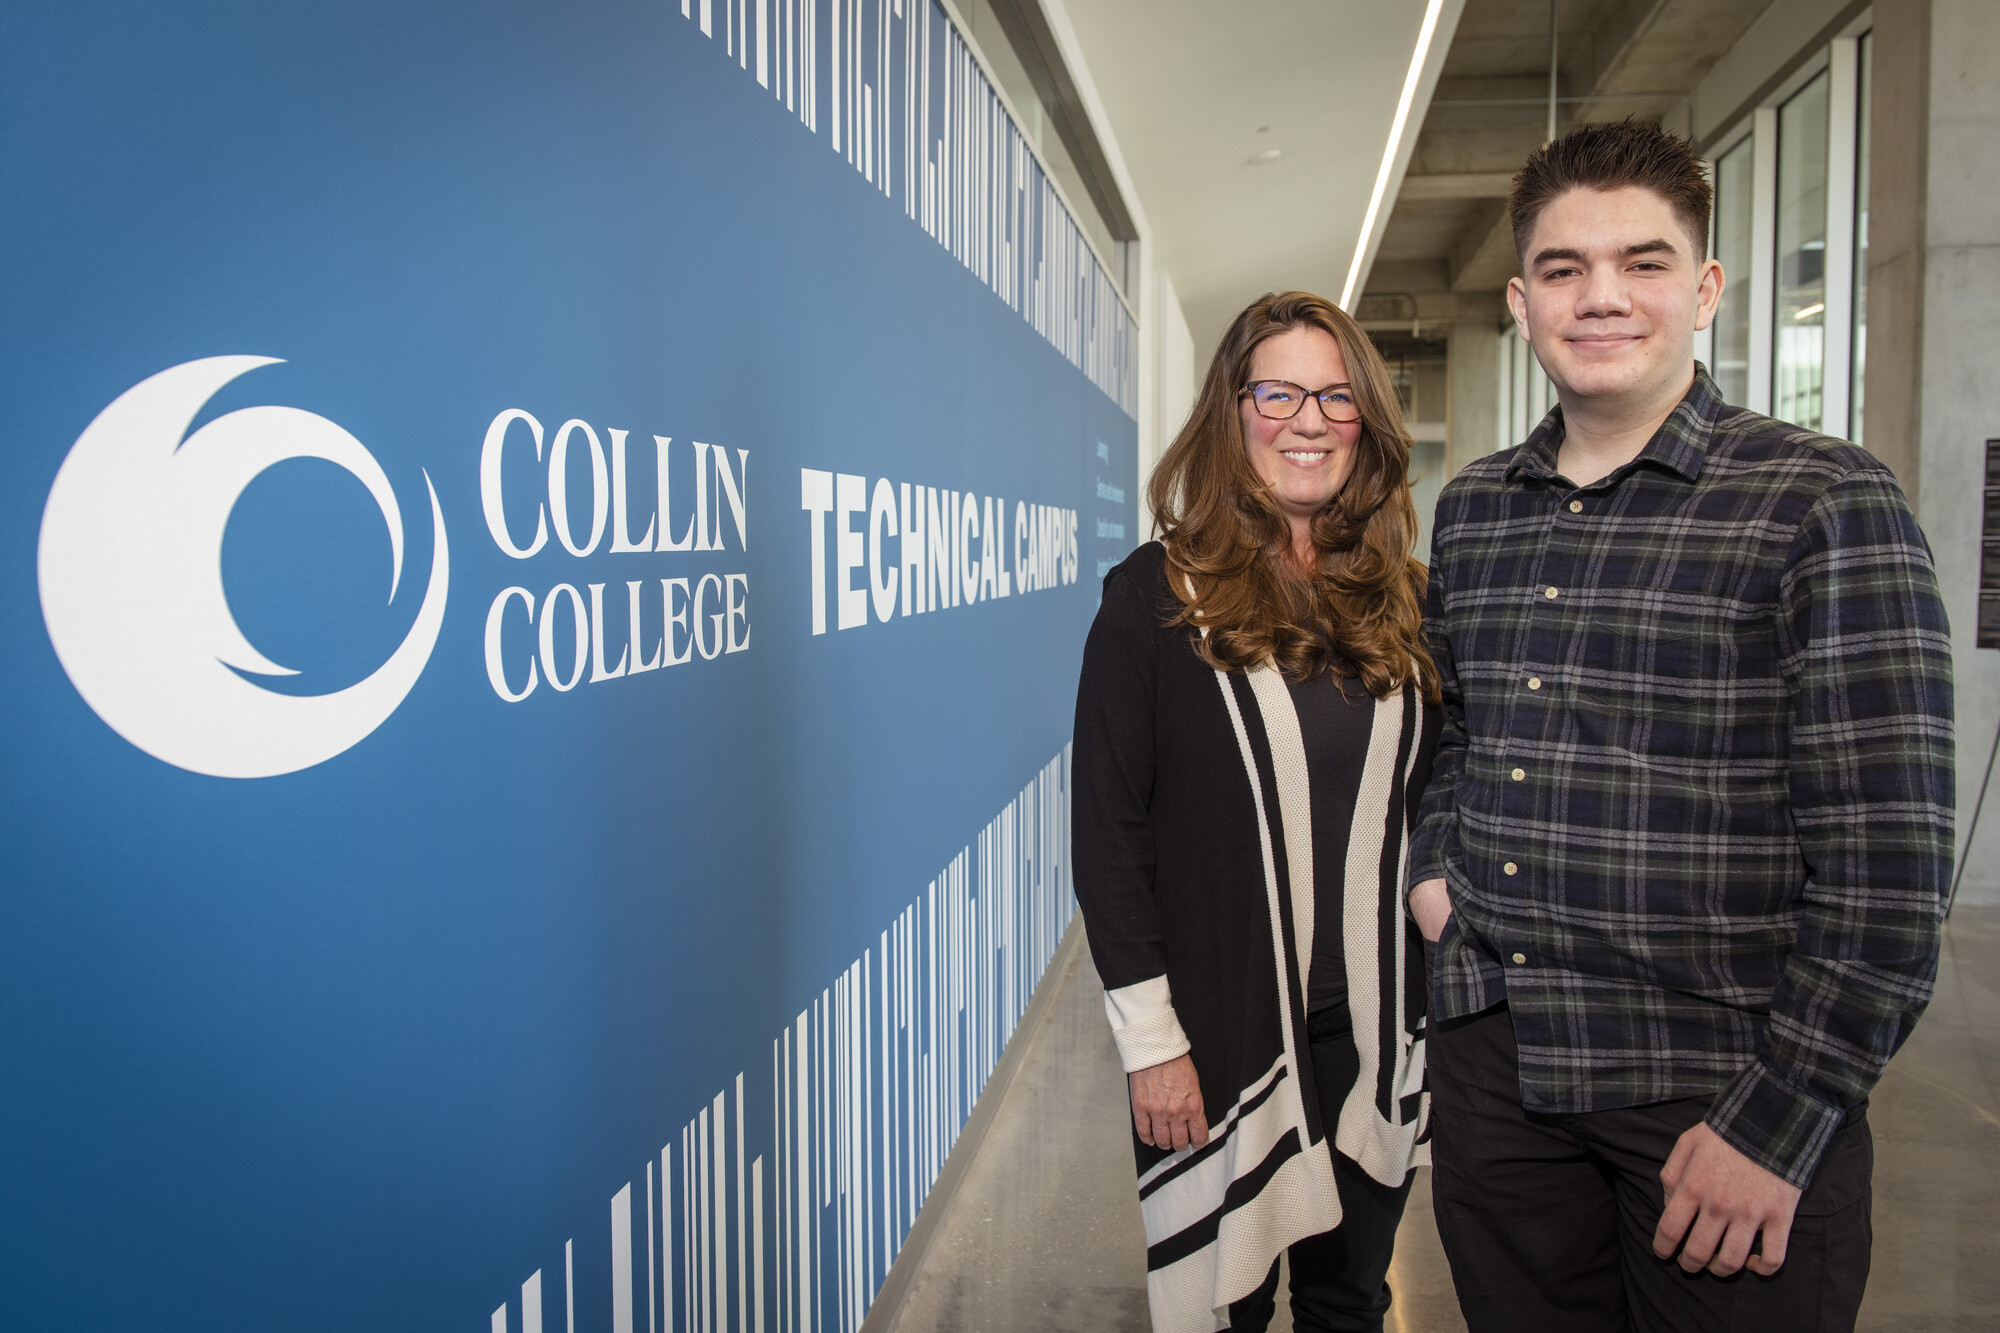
<point>1839,59</point>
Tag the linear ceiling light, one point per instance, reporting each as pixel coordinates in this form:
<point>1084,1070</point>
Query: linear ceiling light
<point>1424,35</point>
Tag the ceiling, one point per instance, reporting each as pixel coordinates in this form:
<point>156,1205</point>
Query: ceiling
<point>1253,132</point>
<point>1448,232</point>
<point>1196,92</point>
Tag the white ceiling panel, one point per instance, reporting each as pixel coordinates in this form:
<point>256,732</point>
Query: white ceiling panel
<point>1253,132</point>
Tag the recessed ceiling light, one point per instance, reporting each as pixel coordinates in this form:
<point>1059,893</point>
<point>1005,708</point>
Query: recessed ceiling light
<point>1268,155</point>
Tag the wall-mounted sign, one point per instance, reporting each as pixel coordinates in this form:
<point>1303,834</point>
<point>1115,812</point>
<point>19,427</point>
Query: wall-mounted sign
<point>549,553</point>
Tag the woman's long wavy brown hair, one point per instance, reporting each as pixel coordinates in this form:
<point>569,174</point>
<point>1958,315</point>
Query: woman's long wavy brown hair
<point>1361,611</point>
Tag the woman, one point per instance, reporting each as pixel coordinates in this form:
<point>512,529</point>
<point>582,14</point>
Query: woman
<point>1254,725</point>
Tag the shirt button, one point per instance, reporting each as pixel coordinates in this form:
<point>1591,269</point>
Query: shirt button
<point>1534,682</point>
<point>1550,592</point>
<point>1520,958</point>
<point>1511,869</point>
<point>1576,506</point>
<point>1519,774</point>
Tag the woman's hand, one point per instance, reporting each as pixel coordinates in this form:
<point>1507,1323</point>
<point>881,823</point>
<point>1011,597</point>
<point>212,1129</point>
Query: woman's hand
<point>1166,1105</point>
<point>1431,906</point>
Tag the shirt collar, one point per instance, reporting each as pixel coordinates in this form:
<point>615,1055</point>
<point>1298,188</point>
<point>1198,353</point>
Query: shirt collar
<point>1680,444</point>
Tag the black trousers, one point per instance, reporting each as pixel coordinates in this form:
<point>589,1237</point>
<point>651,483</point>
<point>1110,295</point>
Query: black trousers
<point>1340,1277</point>
<point>1548,1221</point>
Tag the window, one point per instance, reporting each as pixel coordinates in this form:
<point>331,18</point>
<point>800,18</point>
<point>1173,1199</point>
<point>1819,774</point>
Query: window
<point>1799,333</point>
<point>1734,187</point>
<point>1791,232</point>
<point>1526,395</point>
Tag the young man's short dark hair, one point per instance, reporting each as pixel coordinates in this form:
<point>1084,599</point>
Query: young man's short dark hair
<point>1611,157</point>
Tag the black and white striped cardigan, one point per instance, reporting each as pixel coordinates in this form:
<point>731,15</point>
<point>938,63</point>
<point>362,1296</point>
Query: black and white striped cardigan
<point>1194,868</point>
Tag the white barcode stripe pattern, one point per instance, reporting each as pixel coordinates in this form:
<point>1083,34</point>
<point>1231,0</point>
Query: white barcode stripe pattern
<point>918,1021</point>
<point>974,185</point>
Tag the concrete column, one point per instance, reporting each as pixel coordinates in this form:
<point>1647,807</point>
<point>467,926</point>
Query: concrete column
<point>1473,409</point>
<point>1899,128</point>
<point>1960,402</point>
<point>1934,320</point>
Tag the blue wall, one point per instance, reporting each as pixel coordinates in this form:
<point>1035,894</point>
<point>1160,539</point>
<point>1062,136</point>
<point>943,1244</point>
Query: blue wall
<point>389,993</point>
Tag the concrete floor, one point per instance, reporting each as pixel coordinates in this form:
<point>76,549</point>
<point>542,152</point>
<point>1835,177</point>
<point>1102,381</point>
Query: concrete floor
<point>1936,1117</point>
<point>1044,1233</point>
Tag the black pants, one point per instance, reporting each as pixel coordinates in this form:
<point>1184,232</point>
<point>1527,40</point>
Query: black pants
<point>1548,1220</point>
<point>1339,1278</point>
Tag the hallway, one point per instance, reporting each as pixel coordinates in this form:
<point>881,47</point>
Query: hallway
<point>1044,1231</point>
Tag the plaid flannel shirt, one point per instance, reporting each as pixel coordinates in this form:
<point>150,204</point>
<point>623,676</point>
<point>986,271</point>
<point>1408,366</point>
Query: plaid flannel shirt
<point>1694,798</point>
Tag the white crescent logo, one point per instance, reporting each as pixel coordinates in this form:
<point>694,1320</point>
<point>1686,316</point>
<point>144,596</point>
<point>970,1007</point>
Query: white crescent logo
<point>130,568</point>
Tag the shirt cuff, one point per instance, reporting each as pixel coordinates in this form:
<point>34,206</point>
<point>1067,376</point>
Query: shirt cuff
<point>1777,1126</point>
<point>1144,1025</point>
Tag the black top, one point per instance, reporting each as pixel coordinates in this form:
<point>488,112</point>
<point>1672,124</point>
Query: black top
<point>1335,717</point>
<point>1168,854</point>
<point>1193,797</point>
<point>1169,861</point>
<point>1192,793</point>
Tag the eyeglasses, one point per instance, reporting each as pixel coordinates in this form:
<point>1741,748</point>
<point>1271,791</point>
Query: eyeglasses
<point>1280,400</point>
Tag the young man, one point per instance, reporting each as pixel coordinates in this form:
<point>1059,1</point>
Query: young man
<point>1685,848</point>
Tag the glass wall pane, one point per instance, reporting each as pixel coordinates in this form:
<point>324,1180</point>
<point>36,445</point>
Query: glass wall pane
<point>1859,380</point>
<point>1733,185</point>
<point>1799,341</point>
